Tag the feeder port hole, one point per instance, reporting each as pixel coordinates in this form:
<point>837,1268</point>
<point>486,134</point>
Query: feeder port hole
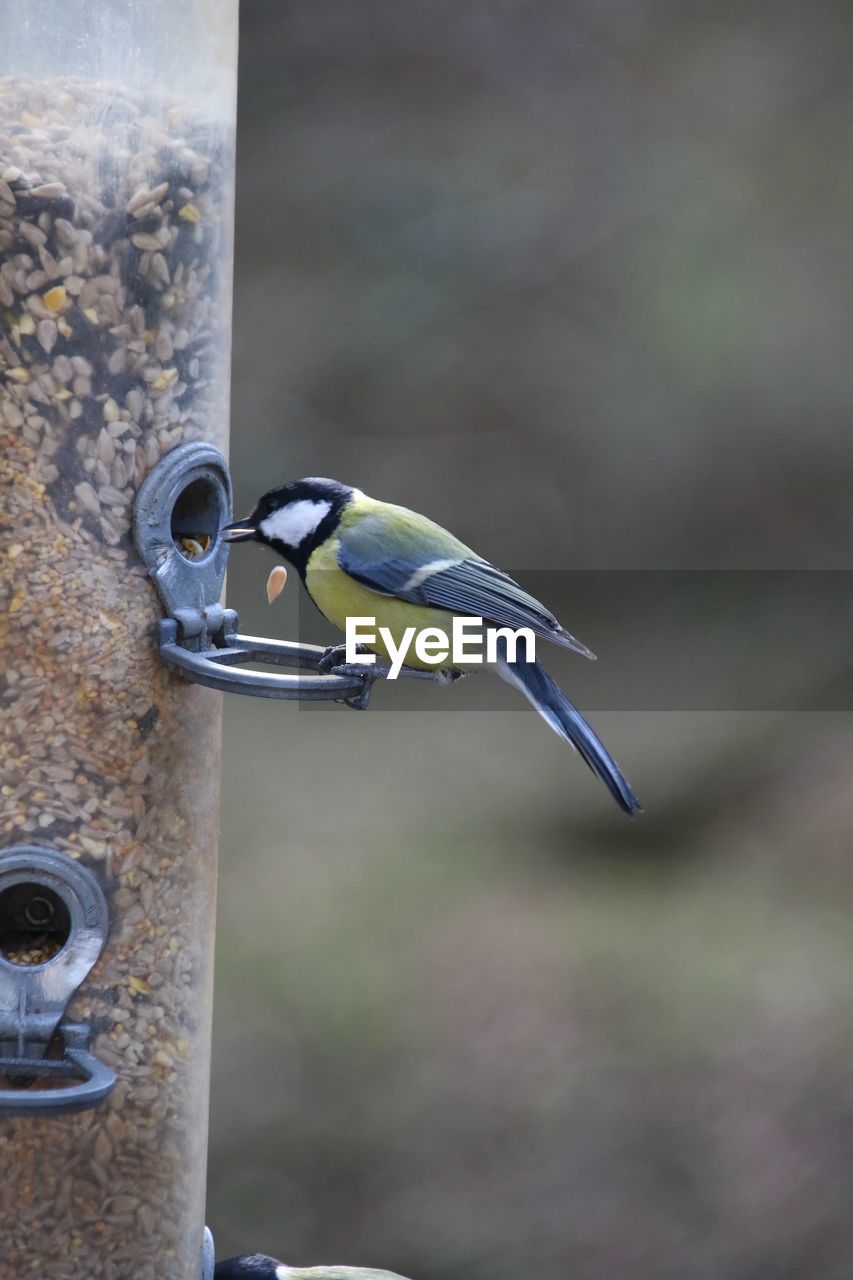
<point>199,513</point>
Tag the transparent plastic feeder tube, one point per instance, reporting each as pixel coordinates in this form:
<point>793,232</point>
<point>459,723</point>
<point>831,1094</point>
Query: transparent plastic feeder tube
<point>116,197</point>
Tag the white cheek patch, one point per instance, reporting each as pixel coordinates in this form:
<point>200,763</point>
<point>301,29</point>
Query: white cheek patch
<point>292,524</point>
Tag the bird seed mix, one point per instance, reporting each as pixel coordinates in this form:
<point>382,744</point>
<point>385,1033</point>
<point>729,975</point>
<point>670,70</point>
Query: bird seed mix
<point>115,260</point>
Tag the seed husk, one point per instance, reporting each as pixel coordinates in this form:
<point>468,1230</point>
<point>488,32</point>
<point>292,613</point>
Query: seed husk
<point>275,582</point>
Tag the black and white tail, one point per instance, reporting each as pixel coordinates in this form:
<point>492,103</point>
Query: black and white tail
<point>565,719</point>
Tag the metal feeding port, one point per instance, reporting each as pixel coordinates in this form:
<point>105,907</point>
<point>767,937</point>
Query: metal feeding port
<point>53,925</point>
<point>180,510</point>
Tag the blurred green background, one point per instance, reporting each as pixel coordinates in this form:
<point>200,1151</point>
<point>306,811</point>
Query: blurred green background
<point>574,279</point>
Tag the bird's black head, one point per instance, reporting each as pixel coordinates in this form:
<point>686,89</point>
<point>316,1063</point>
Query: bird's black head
<point>294,519</point>
<point>250,1266</point>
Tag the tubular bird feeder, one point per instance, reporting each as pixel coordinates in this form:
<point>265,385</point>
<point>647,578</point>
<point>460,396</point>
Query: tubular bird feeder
<point>116,196</point>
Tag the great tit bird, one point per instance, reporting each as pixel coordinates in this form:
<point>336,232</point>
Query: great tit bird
<point>359,557</point>
<point>259,1266</point>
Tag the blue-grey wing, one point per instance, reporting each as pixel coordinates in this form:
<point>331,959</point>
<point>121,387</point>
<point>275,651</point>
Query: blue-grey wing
<point>423,564</point>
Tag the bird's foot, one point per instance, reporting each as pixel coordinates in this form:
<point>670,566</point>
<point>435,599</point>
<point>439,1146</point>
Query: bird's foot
<point>335,655</point>
<point>449,675</point>
<point>333,662</point>
<point>368,676</point>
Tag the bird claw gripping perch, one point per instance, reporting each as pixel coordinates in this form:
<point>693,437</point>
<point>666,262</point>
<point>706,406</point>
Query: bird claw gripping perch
<point>334,662</point>
<point>336,655</point>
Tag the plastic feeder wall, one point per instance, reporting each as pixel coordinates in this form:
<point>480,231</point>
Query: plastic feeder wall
<point>116,196</point>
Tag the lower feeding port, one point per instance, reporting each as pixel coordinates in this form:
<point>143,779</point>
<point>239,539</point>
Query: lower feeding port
<point>51,909</point>
<point>53,926</point>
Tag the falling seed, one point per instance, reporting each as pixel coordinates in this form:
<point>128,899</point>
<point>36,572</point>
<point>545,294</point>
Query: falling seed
<point>275,582</point>
<point>189,213</point>
<point>27,324</point>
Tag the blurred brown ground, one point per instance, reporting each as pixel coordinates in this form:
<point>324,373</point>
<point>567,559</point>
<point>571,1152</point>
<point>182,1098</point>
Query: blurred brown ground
<point>575,280</point>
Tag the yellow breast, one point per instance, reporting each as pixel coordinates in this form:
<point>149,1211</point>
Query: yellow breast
<point>338,597</point>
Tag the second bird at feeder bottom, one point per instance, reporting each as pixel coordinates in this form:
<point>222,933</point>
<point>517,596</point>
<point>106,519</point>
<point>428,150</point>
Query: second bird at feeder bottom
<point>260,1266</point>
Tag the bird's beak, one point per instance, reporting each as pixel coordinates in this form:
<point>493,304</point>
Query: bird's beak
<point>239,530</point>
